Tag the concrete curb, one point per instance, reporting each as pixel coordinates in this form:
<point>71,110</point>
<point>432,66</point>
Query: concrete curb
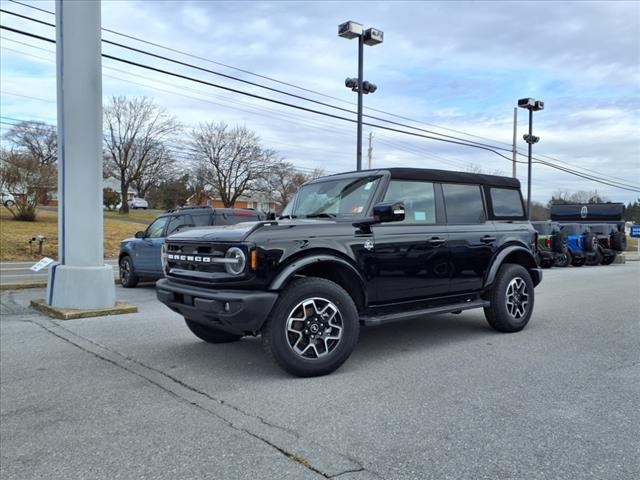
<point>32,284</point>
<point>72,313</point>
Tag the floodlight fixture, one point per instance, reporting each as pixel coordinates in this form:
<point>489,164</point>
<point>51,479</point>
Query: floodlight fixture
<point>349,30</point>
<point>373,36</point>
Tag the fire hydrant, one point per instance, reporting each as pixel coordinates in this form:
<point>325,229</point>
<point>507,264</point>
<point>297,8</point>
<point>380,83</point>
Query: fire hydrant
<point>40,239</point>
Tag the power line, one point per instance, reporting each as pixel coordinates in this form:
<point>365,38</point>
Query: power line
<point>187,54</point>
<point>260,97</point>
<point>299,107</point>
<point>254,84</point>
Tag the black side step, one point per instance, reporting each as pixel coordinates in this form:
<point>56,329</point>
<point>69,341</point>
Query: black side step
<point>371,320</point>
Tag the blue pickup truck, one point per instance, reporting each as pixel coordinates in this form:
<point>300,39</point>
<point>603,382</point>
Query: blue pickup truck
<point>140,256</point>
<point>582,245</point>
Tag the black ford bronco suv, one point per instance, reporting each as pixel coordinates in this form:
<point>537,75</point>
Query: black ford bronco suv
<point>360,248</point>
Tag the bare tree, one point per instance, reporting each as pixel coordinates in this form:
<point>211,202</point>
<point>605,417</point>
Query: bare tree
<point>136,131</point>
<point>283,181</point>
<point>159,170</point>
<point>28,179</point>
<point>231,160</point>
<point>581,196</point>
<point>37,139</point>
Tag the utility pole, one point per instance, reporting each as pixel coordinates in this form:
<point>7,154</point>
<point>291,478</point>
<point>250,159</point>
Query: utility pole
<point>360,80</point>
<point>80,279</point>
<point>515,133</point>
<point>370,151</point>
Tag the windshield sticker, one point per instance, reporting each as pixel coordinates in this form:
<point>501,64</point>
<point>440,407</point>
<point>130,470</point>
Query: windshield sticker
<point>419,216</point>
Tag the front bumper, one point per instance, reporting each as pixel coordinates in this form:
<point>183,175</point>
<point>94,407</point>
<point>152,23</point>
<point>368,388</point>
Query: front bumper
<point>234,311</point>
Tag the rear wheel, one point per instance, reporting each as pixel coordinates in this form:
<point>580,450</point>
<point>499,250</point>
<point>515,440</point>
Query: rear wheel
<point>209,334</point>
<point>563,259</point>
<point>128,277</point>
<point>511,298</point>
<point>312,329</point>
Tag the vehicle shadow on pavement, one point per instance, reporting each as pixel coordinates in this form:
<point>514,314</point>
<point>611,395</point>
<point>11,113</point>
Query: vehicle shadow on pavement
<point>246,358</point>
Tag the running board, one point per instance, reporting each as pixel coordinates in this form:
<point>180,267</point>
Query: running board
<point>372,320</point>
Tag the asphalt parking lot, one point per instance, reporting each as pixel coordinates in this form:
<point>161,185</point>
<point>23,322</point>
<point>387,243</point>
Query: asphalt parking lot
<point>445,397</point>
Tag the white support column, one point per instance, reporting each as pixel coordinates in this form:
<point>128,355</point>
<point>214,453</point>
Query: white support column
<point>80,279</point>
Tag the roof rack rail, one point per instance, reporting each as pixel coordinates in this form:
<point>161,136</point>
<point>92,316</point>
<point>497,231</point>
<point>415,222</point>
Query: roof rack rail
<point>171,210</point>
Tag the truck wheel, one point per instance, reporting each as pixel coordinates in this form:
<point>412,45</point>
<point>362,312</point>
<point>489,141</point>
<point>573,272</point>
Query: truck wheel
<point>608,259</point>
<point>563,259</point>
<point>209,334</point>
<point>128,277</point>
<point>312,329</point>
<point>511,298</point>
<point>594,258</point>
<point>578,261</point>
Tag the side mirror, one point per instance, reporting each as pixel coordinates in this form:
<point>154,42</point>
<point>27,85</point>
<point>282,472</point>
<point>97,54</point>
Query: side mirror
<point>139,235</point>
<point>388,212</point>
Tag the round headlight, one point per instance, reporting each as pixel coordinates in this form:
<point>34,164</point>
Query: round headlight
<point>236,267</point>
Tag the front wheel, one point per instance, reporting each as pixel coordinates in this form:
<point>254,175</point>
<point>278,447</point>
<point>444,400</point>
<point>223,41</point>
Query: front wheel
<point>511,298</point>
<point>312,329</point>
<point>209,334</point>
<point>128,277</point>
<point>578,261</point>
<point>594,259</point>
<point>563,259</point>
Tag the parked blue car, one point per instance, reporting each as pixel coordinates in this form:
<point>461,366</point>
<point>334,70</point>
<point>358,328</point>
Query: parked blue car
<point>140,256</point>
<point>581,244</point>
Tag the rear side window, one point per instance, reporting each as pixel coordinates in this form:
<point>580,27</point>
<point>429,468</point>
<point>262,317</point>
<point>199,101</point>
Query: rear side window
<point>463,203</point>
<point>418,198</point>
<point>506,202</point>
<point>201,220</point>
<point>178,221</point>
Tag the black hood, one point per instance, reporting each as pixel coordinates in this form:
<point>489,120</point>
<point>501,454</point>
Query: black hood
<point>241,232</point>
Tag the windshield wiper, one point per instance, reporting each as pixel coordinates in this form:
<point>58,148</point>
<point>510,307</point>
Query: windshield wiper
<point>321,215</point>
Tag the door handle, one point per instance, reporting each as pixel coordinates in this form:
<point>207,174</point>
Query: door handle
<point>488,239</point>
<point>437,241</point>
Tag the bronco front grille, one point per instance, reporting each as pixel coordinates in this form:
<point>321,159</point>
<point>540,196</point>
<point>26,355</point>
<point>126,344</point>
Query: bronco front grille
<point>197,258</point>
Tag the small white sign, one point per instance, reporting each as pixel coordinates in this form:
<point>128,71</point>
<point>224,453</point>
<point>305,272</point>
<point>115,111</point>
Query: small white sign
<point>45,262</point>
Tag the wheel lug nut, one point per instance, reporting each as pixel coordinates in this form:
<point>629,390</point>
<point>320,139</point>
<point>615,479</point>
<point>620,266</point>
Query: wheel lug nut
<point>313,336</point>
<point>306,332</point>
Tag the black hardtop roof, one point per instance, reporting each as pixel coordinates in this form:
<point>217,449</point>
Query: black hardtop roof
<point>428,174</point>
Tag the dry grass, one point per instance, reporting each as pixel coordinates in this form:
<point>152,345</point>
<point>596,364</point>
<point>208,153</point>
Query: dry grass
<point>146,216</point>
<point>14,236</point>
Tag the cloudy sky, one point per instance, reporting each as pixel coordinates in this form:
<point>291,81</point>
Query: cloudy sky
<point>444,65</point>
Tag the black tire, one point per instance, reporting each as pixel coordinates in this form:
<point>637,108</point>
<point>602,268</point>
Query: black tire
<point>619,241</point>
<point>290,315</point>
<point>578,261</point>
<point>512,282</point>
<point>128,277</point>
<point>563,259</point>
<point>209,334</point>
<point>608,259</point>
<point>547,262</point>
<point>594,259</point>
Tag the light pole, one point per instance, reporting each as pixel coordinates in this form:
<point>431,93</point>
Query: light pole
<point>370,36</point>
<point>533,106</point>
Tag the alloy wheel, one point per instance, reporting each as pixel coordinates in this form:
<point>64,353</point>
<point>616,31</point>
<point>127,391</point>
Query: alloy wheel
<point>314,328</point>
<point>517,298</point>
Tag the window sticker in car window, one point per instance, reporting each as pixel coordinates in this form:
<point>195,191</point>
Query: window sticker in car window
<point>368,186</point>
<point>356,210</point>
<point>419,216</point>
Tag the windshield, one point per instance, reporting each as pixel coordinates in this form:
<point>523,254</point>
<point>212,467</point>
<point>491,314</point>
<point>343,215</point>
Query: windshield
<point>341,198</point>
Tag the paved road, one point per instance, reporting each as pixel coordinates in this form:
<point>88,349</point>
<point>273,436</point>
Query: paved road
<point>445,397</point>
<point>13,272</point>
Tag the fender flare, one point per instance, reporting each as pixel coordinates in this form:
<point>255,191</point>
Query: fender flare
<point>287,272</point>
<point>533,269</point>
